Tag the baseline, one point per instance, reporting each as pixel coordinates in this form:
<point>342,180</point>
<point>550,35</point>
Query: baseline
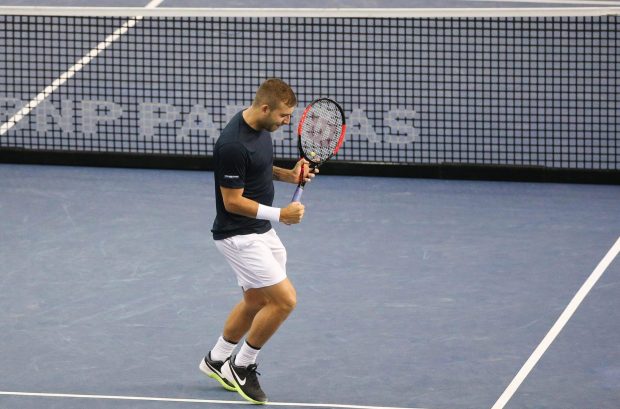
<point>190,400</point>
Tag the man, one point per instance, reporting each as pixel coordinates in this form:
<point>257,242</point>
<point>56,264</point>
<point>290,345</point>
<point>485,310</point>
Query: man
<point>243,233</point>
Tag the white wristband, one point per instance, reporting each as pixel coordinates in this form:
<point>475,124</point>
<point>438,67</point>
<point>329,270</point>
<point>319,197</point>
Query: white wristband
<point>268,213</point>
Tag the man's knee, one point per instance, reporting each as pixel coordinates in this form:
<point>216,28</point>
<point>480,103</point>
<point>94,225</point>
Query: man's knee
<point>287,300</point>
<point>281,296</point>
<point>254,300</point>
<point>288,303</point>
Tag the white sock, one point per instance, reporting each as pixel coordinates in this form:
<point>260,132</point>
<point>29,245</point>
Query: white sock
<point>246,355</point>
<point>222,349</point>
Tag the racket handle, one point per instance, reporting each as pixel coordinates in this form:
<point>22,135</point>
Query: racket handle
<point>298,192</point>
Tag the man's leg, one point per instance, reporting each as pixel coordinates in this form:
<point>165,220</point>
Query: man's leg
<point>280,302</point>
<point>237,325</point>
<point>240,318</point>
<point>258,261</point>
<point>261,312</point>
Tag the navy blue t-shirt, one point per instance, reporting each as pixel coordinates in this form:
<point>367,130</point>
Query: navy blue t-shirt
<point>243,158</point>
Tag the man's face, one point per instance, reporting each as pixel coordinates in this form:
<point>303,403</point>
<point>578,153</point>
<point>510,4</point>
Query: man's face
<point>275,118</point>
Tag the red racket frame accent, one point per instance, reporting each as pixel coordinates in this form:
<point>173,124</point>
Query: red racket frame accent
<point>300,187</point>
<point>303,119</point>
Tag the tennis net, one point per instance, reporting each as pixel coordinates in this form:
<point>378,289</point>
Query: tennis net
<point>537,89</point>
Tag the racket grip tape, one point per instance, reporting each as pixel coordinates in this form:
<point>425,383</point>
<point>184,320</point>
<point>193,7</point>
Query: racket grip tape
<point>298,192</point>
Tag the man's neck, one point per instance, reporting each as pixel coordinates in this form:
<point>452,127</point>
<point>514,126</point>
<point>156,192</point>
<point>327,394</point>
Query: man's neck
<point>250,118</point>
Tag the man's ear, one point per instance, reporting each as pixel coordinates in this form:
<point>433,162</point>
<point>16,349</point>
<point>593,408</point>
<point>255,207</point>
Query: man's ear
<point>264,109</point>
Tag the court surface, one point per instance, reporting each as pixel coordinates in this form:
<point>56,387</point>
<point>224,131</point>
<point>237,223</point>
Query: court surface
<point>412,293</point>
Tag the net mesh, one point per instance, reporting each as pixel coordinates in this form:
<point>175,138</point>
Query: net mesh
<point>320,130</point>
<point>512,91</point>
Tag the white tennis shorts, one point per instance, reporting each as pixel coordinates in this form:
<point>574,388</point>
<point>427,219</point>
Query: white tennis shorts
<point>258,260</point>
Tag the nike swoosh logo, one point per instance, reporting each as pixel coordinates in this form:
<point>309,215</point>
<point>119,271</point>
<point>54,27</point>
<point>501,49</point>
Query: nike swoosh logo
<point>214,369</point>
<point>241,381</point>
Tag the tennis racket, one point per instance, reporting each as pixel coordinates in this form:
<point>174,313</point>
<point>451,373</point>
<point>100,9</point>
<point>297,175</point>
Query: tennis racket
<point>321,133</point>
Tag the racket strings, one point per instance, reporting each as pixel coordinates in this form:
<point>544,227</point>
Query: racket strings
<point>321,130</point>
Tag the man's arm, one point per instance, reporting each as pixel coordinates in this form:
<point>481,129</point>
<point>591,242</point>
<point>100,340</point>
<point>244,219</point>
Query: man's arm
<point>292,175</point>
<point>284,175</point>
<point>236,203</point>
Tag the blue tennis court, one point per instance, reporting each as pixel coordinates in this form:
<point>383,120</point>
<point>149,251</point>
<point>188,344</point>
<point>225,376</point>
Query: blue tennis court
<point>413,293</point>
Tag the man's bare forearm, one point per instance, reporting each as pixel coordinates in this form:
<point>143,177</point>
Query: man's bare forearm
<point>283,175</point>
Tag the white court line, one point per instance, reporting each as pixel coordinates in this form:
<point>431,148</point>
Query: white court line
<point>64,77</point>
<point>557,327</point>
<point>226,402</point>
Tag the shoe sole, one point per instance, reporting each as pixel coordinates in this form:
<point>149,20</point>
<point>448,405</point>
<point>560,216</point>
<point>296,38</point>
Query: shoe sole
<point>228,373</point>
<point>213,375</point>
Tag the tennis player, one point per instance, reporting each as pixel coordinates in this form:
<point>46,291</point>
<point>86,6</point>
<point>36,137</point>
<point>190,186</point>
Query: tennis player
<point>243,233</point>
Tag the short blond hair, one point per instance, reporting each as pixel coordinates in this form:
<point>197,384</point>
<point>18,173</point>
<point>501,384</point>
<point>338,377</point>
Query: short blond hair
<point>273,92</point>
